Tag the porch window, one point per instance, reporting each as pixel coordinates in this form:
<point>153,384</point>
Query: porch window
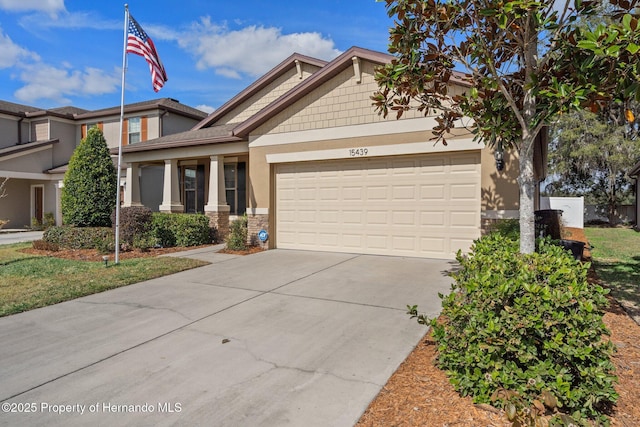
<point>134,130</point>
<point>235,181</point>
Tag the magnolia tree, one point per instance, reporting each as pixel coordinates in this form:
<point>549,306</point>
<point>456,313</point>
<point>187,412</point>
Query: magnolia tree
<point>525,63</point>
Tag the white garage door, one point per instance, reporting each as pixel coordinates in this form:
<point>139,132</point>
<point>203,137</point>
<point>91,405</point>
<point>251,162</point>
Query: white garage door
<point>423,206</point>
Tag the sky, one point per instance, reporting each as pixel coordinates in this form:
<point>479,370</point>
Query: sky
<point>55,53</point>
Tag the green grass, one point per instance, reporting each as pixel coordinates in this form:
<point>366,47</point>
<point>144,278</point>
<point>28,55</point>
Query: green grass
<point>29,281</point>
<point>616,259</point>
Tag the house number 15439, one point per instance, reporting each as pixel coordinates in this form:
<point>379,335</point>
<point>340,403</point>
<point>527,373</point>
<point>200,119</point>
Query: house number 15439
<point>358,152</point>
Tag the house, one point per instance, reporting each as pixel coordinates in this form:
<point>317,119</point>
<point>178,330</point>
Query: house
<point>302,152</point>
<point>635,173</point>
<point>36,145</point>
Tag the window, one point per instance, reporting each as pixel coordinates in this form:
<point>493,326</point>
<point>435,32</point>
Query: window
<point>134,130</point>
<point>235,187</point>
<point>192,184</point>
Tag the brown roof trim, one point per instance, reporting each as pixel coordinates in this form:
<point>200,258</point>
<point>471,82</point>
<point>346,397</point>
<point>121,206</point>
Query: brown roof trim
<point>49,113</point>
<point>257,86</point>
<point>635,171</point>
<point>26,147</point>
<point>166,104</point>
<point>176,144</point>
<point>328,72</point>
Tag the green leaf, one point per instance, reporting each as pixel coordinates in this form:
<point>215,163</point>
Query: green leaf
<point>588,44</point>
<point>633,48</point>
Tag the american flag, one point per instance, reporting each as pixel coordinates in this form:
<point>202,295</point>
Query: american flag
<point>140,43</point>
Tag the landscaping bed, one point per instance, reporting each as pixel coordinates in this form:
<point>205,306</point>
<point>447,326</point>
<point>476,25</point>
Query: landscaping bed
<point>419,393</point>
<point>95,255</point>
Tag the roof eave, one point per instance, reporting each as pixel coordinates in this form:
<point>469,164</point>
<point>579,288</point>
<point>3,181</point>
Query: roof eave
<point>257,86</point>
<point>329,71</point>
<point>134,109</point>
<point>175,144</point>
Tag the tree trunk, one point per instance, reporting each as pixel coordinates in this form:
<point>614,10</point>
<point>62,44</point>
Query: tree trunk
<point>527,183</point>
<point>526,177</point>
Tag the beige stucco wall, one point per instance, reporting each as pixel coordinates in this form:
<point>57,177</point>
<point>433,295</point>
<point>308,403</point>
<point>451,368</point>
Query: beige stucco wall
<point>499,188</point>
<point>270,93</point>
<point>111,128</point>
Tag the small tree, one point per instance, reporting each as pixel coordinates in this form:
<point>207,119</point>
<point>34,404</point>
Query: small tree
<point>524,62</point>
<point>90,184</point>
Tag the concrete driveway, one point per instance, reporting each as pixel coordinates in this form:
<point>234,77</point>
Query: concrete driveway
<point>271,339</point>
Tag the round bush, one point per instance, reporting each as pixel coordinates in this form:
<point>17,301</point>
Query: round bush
<point>527,327</point>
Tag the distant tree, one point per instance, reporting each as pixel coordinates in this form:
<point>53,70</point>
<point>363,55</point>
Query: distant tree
<point>90,184</point>
<point>525,62</point>
<point>589,155</point>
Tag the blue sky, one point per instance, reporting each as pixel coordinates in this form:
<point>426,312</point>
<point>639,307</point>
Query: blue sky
<point>69,52</point>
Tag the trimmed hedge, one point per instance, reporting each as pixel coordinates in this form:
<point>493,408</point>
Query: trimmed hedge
<point>172,229</point>
<point>77,237</point>
<point>135,222</point>
<point>526,332</point>
<point>237,239</point>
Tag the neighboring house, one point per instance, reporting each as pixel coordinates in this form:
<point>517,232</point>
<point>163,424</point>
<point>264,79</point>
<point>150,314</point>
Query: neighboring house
<point>36,145</point>
<point>635,173</point>
<point>304,154</point>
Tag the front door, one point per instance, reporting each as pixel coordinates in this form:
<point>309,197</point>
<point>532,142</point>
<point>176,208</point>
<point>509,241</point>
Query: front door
<point>38,203</point>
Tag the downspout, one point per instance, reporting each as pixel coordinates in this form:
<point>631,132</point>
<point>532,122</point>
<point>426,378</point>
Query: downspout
<point>20,130</point>
<point>160,117</point>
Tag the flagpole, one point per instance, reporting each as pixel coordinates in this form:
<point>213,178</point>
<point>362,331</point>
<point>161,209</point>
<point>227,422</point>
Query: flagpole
<point>124,69</point>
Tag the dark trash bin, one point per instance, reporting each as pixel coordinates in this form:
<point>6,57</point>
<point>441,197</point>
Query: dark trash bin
<point>547,223</point>
<point>574,246</point>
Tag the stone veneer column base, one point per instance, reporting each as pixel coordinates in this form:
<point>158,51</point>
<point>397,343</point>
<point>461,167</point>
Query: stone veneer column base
<point>220,222</point>
<point>257,222</point>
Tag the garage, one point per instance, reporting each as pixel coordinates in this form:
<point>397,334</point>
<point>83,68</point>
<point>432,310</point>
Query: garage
<point>420,206</point>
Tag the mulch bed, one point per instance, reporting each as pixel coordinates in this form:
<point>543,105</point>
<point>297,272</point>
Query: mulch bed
<point>419,394</point>
<point>95,255</point>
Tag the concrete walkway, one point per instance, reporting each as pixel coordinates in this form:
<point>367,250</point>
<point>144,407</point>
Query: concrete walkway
<point>17,236</point>
<point>272,339</point>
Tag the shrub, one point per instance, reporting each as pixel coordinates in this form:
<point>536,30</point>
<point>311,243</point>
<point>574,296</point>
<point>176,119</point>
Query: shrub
<point>135,221</point>
<point>89,192</point>
<point>161,229</point>
<point>237,239</point>
<point>42,245</point>
<point>180,229</point>
<point>526,329</point>
<point>77,237</point>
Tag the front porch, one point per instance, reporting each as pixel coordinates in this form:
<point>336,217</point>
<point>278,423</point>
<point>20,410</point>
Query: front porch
<point>214,185</point>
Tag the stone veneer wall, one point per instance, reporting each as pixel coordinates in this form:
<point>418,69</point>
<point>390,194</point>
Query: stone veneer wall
<point>256,223</point>
<point>219,221</point>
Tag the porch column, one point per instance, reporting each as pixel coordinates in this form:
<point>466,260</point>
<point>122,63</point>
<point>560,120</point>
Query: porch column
<point>58,187</point>
<point>217,209</point>
<point>171,190</point>
<point>132,187</point>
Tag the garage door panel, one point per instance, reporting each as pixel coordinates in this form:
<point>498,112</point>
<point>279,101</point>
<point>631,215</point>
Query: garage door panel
<point>409,206</point>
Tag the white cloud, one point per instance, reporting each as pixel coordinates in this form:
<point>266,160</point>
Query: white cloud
<point>70,20</point>
<point>252,50</point>
<point>51,7</point>
<point>206,108</point>
<point>44,81</point>
<point>12,53</point>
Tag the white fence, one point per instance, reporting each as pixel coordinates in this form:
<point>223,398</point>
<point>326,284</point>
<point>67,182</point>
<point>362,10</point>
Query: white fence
<point>626,213</point>
<point>575,213</point>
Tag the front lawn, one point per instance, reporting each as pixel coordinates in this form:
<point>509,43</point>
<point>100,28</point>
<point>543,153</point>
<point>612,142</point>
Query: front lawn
<point>616,258</point>
<point>30,281</point>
